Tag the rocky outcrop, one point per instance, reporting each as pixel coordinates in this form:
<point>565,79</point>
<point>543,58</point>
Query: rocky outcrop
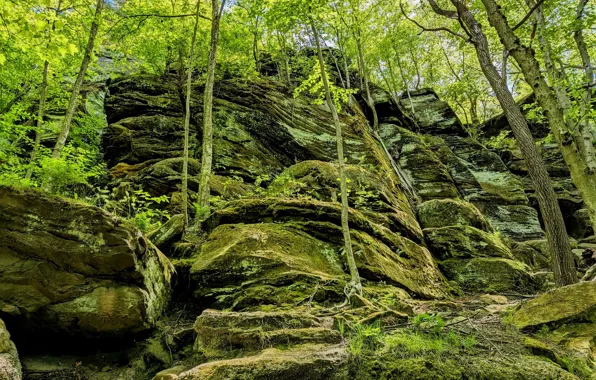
<point>570,304</point>
<point>272,345</point>
<point>76,270</point>
<point>450,212</point>
<point>10,366</point>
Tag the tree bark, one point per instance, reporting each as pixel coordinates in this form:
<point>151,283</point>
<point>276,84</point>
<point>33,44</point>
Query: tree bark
<point>355,284</point>
<point>207,154</point>
<point>585,125</point>
<point>187,118</point>
<point>558,241</point>
<point>574,152</point>
<point>74,96</point>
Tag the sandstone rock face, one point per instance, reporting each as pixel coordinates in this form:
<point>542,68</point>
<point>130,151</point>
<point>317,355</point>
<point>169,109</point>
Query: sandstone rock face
<point>570,304</point>
<point>10,366</point>
<point>275,345</point>
<point>74,269</point>
<point>450,212</point>
<point>298,241</point>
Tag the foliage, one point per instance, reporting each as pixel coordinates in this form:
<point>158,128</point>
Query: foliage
<point>502,141</point>
<point>137,206</point>
<point>314,86</point>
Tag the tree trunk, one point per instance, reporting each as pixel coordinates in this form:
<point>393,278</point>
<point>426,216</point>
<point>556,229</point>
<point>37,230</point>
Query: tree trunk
<point>187,118</point>
<point>207,154</point>
<point>355,284</point>
<point>40,115</point>
<point>585,125</point>
<point>369,98</point>
<point>403,79</point>
<point>574,153</point>
<point>558,241</point>
<point>74,96</point>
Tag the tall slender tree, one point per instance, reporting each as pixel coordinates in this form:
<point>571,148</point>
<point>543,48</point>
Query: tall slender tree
<point>187,116</point>
<point>558,241</point>
<point>207,152</point>
<point>570,140</point>
<point>76,89</point>
<point>355,285</point>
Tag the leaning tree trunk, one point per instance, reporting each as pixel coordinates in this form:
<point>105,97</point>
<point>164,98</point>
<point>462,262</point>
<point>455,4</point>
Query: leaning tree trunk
<point>187,118</point>
<point>355,284</point>
<point>558,241</point>
<point>207,154</point>
<point>571,144</point>
<point>74,96</point>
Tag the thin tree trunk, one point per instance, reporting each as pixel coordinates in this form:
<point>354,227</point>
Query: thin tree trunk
<point>355,284</point>
<point>40,115</point>
<point>574,153</point>
<point>403,79</point>
<point>187,118</point>
<point>558,241</point>
<point>369,98</point>
<point>207,154</point>
<point>74,96</point>
<point>342,50</point>
<point>585,125</point>
<point>415,61</point>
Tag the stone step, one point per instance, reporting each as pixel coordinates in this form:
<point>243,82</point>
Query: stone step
<point>311,361</point>
<point>232,334</point>
<point>220,343</point>
<point>266,321</point>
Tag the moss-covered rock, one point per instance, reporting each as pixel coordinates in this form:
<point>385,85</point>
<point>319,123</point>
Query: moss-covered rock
<point>10,366</point>
<point>489,275</point>
<point>308,362</point>
<point>75,269</point>
<point>381,254</point>
<point>572,303</point>
<point>518,222</point>
<point>168,232</point>
<point>320,180</point>
<point>229,334</point>
<point>451,212</point>
<point>464,242</point>
<point>428,174</point>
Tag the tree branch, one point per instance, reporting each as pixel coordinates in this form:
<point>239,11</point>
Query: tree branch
<point>164,16</point>
<point>527,16</point>
<point>425,29</point>
<point>443,12</point>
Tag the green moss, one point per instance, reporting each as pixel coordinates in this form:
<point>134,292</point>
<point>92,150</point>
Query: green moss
<point>489,275</point>
<point>464,242</point>
<point>573,303</point>
<point>451,212</point>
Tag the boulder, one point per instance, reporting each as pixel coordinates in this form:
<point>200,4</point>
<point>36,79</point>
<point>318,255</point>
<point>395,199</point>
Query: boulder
<point>532,253</point>
<point>301,239</point>
<point>308,362</point>
<point>76,270</point>
<point>432,115</point>
<point>169,231</point>
<point>464,242</point>
<point>225,334</point>
<point>569,304</point>
<point>518,222</point>
<point>10,366</point>
<point>489,275</point>
<point>450,212</point>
